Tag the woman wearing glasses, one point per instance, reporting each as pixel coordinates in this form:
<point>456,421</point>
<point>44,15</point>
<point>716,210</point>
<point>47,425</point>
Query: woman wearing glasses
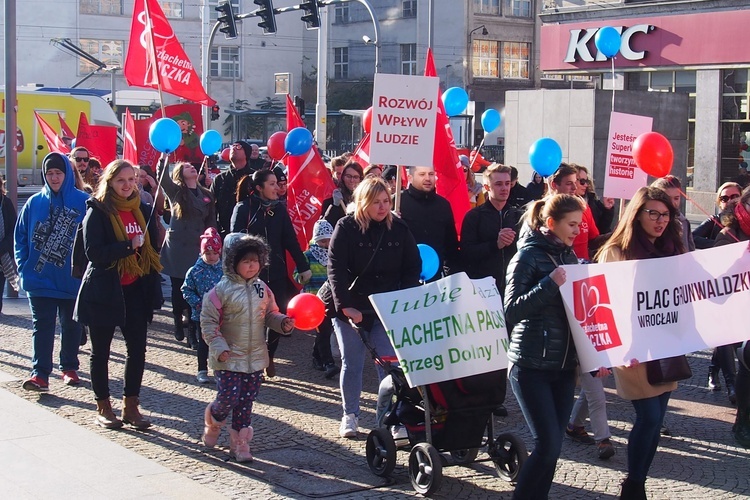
<point>649,229</point>
<point>334,208</point>
<point>602,210</point>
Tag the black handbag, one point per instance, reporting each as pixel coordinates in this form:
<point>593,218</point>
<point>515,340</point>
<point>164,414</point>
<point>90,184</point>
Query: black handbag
<point>662,371</point>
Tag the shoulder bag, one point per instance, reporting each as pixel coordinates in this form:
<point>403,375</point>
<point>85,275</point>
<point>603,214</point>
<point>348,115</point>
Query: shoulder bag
<point>662,371</point>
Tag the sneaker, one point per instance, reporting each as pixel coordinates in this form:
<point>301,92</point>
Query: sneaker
<point>579,434</point>
<point>331,370</point>
<point>70,377</point>
<point>202,377</point>
<point>349,426</point>
<point>399,432</point>
<point>36,383</point>
<point>318,364</point>
<point>605,449</point>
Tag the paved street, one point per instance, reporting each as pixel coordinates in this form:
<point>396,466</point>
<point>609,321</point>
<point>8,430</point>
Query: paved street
<point>298,451</point>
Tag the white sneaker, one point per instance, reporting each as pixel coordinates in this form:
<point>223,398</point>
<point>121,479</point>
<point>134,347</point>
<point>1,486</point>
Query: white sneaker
<point>202,377</point>
<point>349,426</point>
<point>399,432</point>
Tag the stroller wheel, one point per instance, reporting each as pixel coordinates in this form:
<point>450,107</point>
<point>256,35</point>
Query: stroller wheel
<point>508,453</point>
<point>465,457</point>
<point>425,468</point>
<point>381,452</point>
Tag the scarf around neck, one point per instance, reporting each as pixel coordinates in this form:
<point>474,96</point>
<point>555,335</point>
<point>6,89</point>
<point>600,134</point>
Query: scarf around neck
<point>743,218</point>
<point>145,259</point>
<point>642,247</point>
<point>320,254</point>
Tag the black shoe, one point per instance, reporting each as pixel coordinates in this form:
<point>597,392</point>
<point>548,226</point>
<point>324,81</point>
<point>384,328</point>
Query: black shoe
<point>179,333</point>
<point>500,411</point>
<point>192,336</point>
<point>318,364</point>
<point>331,370</point>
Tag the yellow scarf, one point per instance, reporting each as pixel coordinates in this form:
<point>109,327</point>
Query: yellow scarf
<point>146,259</point>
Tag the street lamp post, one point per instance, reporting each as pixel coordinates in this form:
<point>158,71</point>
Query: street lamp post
<point>469,54</point>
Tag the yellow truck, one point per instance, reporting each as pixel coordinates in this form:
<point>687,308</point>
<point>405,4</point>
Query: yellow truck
<point>29,139</point>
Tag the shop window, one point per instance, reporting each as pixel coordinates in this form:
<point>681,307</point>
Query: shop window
<point>516,60</point>
<point>735,126</point>
<point>485,59</point>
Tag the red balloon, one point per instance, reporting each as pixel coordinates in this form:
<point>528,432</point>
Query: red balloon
<point>367,120</point>
<point>307,310</point>
<point>653,154</point>
<point>225,154</point>
<point>275,145</point>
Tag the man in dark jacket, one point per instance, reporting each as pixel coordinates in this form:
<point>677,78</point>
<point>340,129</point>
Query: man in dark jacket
<point>519,195</point>
<point>224,186</point>
<point>430,218</point>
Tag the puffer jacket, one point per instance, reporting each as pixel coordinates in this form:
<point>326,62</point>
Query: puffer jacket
<point>199,279</point>
<point>247,308</point>
<point>540,337</point>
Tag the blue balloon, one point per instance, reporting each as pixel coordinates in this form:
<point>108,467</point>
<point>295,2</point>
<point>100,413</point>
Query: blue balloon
<point>210,142</point>
<point>298,141</point>
<point>545,156</point>
<point>73,143</point>
<point>430,261</point>
<point>165,135</point>
<point>607,41</point>
<point>455,100</point>
<point>491,120</point>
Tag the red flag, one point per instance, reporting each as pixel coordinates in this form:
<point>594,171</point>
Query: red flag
<point>54,143</point>
<point>99,140</point>
<point>188,117</point>
<point>129,149</point>
<point>156,56</point>
<point>451,183</point>
<point>64,128</point>
<point>362,153</point>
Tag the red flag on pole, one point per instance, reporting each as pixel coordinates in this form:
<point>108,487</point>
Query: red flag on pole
<point>151,33</point>
<point>54,143</point>
<point>362,153</point>
<point>64,128</point>
<point>99,140</point>
<point>451,183</point>
<point>129,149</point>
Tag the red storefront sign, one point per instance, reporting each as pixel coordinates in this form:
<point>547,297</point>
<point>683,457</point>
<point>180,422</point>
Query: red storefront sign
<point>703,39</point>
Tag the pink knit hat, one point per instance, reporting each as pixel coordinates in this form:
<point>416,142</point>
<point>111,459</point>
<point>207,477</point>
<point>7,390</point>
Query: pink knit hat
<point>210,240</point>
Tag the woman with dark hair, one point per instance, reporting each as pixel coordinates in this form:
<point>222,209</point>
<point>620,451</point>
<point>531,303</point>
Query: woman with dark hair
<point>543,375</point>
<point>602,210</point>
<point>371,251</point>
<point>259,212</point>
<point>648,229</point>
<point>8,218</point>
<point>193,210</point>
<point>334,208</point>
<point>537,188</point>
<point>120,287</point>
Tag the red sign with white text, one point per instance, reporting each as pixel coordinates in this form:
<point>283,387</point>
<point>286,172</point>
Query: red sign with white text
<point>592,309</point>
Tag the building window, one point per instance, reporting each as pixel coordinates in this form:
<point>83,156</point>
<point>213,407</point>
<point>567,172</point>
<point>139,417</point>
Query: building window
<point>225,62</point>
<point>485,60</point>
<point>214,15</point>
<point>173,10</point>
<point>487,7</point>
<point>409,9</point>
<point>108,7</point>
<point>341,14</point>
<point>735,123</point>
<point>408,58</point>
<point>341,63</point>
<point>107,51</point>
<point>516,60</point>
<point>518,8</point>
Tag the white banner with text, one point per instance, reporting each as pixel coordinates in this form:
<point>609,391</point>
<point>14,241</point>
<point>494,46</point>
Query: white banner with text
<point>622,176</point>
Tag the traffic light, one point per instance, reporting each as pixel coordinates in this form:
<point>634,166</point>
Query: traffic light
<point>299,103</point>
<point>214,112</point>
<point>312,14</point>
<point>265,12</point>
<point>226,17</point>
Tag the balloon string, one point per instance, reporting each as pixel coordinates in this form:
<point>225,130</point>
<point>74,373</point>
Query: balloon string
<point>710,216</point>
<point>613,82</point>
<point>481,144</point>
<point>163,158</point>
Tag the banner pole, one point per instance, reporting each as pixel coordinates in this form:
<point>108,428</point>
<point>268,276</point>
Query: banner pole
<point>150,27</point>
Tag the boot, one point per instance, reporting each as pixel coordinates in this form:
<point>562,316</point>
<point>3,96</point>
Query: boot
<point>131,415</point>
<point>192,337</point>
<point>239,444</point>
<point>713,378</point>
<point>741,427</point>
<point>212,428</point>
<point>633,490</point>
<point>731,394</point>
<point>179,330</point>
<point>105,416</point>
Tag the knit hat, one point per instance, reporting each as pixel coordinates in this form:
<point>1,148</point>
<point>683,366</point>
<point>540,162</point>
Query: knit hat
<point>464,160</point>
<point>322,230</point>
<point>247,148</point>
<point>210,240</point>
<point>54,160</point>
<point>390,172</point>
<point>280,175</point>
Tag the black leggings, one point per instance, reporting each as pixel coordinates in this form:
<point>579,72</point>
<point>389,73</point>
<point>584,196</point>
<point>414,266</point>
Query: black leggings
<point>134,332</point>
<point>202,349</point>
<point>178,301</point>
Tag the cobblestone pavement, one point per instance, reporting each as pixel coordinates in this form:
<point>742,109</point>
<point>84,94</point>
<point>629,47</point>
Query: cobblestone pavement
<point>296,430</point>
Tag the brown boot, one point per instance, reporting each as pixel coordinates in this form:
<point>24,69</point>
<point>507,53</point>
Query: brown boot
<point>131,415</point>
<point>106,417</point>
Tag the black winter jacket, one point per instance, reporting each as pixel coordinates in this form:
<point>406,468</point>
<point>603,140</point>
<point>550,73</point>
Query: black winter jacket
<point>430,219</point>
<point>224,189</point>
<point>273,224</point>
<point>100,300</point>
<point>540,337</point>
<point>479,253</point>
<point>705,234</point>
<point>9,220</point>
<point>602,216</point>
<point>396,266</point>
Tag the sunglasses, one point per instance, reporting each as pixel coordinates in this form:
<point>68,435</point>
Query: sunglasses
<point>85,160</point>
<point>726,199</point>
<point>583,182</point>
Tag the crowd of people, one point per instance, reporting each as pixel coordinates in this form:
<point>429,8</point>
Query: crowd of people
<point>224,243</point>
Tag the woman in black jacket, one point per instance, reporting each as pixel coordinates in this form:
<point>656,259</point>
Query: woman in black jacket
<point>371,251</point>
<point>541,346</point>
<point>259,212</point>
<point>120,287</point>
<point>334,208</point>
<point>8,218</point>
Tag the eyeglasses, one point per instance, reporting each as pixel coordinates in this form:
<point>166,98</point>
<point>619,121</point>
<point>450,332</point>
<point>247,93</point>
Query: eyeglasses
<point>726,199</point>
<point>236,146</point>
<point>353,177</point>
<point>85,160</point>
<point>656,215</point>
<point>584,182</point>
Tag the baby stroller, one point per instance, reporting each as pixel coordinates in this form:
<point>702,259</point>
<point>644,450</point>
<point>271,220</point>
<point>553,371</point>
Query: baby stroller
<point>452,417</point>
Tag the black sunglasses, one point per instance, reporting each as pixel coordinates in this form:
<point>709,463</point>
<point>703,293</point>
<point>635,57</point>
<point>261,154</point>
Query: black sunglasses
<point>583,182</point>
<point>85,160</point>
<point>726,199</point>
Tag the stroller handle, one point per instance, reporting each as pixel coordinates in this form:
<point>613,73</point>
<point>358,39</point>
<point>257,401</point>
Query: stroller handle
<point>386,365</point>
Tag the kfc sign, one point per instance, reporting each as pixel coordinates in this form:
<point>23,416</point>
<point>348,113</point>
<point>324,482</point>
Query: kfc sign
<point>580,38</point>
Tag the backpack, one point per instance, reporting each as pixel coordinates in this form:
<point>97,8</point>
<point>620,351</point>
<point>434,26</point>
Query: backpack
<point>214,298</point>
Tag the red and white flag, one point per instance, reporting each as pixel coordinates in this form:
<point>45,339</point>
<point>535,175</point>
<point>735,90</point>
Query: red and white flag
<point>64,128</point>
<point>129,148</point>
<point>99,140</point>
<point>155,56</point>
<point>54,142</point>
<point>362,153</point>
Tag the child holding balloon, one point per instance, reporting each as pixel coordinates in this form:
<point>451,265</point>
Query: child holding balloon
<point>234,316</point>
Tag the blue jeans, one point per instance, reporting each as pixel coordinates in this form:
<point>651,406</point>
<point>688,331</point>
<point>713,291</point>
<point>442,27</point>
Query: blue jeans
<point>545,398</point>
<point>644,438</point>
<point>353,356</point>
<point>44,310</point>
